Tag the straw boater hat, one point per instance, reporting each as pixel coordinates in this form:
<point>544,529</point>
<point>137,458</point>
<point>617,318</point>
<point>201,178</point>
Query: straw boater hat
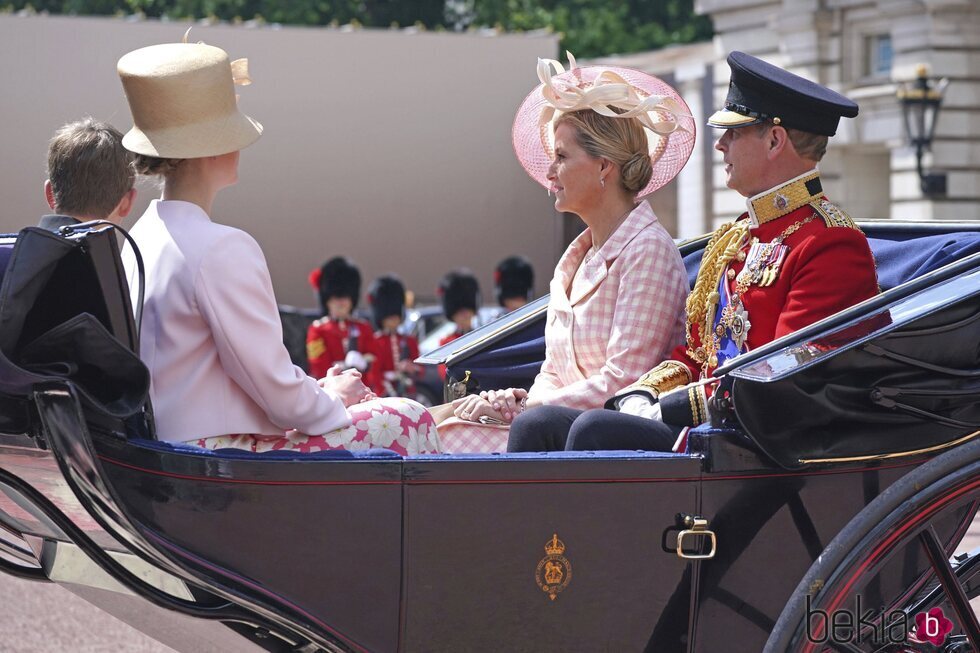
<point>182,96</point>
<point>666,118</point>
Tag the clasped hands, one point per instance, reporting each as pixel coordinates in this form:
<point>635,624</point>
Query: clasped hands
<point>346,384</point>
<point>500,406</point>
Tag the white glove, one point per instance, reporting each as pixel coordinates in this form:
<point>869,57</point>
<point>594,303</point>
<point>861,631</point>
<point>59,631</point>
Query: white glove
<point>640,406</point>
<point>355,359</point>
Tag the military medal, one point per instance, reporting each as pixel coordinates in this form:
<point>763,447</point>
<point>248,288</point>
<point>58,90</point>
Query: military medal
<point>740,325</point>
<point>762,263</point>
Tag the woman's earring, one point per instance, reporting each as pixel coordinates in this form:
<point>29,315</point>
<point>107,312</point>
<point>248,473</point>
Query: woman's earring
<point>602,182</point>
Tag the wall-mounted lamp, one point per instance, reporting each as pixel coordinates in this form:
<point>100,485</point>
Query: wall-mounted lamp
<point>920,101</point>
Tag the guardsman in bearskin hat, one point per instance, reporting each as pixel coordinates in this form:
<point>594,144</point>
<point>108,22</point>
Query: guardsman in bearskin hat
<point>338,338</point>
<point>460,293</point>
<point>791,259</point>
<point>393,370</point>
<point>514,281</point>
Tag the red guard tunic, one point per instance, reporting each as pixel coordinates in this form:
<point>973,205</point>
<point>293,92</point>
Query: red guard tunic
<point>389,349</point>
<point>329,340</point>
<point>806,260</point>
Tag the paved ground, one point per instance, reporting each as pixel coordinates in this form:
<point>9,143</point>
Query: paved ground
<point>43,617</point>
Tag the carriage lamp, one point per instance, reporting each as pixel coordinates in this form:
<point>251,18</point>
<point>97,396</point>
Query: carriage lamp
<point>920,101</point>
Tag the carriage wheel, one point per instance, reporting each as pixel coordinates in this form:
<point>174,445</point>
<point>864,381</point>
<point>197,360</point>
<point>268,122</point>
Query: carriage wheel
<point>898,577</point>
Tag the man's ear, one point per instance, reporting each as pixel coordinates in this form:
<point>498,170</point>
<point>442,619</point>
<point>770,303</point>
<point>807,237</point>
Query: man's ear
<point>778,140</point>
<point>126,203</point>
<point>49,193</point>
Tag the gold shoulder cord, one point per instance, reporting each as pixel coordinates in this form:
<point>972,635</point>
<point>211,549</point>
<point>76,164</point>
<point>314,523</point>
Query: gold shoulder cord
<point>703,300</point>
<point>833,215</point>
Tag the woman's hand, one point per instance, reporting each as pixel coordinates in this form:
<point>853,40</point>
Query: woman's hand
<point>347,385</point>
<point>506,402</point>
<point>472,407</point>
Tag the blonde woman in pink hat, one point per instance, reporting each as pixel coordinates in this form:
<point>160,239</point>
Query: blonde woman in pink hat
<point>211,336</point>
<point>600,138</point>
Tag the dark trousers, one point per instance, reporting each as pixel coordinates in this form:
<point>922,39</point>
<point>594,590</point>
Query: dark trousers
<point>556,428</point>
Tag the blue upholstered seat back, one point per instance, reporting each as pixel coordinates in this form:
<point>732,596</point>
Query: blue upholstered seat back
<point>900,256</point>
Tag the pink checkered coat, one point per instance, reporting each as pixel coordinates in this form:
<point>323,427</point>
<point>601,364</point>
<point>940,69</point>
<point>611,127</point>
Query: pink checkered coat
<point>621,316</point>
<point>607,327</point>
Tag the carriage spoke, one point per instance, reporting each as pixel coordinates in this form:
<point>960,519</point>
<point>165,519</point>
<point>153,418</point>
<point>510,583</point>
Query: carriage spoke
<point>948,579</point>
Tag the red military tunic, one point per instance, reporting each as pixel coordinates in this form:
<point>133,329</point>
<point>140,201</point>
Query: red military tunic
<point>389,349</point>
<point>329,340</point>
<point>820,264</point>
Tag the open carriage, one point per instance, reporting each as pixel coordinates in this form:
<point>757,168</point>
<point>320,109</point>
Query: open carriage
<point>842,479</point>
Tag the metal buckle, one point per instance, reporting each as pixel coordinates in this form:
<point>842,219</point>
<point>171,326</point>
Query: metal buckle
<point>697,527</point>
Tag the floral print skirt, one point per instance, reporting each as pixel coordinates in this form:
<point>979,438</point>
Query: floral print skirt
<point>401,425</point>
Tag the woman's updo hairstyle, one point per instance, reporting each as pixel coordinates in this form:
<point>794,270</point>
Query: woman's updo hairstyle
<point>154,165</point>
<point>620,140</point>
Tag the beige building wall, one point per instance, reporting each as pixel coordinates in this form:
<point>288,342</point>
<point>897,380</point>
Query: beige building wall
<point>389,147</point>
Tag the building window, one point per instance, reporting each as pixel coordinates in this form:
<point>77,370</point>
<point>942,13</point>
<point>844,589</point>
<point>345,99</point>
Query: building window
<point>878,55</point>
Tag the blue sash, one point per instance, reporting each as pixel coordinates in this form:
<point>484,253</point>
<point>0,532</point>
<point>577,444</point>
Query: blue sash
<point>726,346</point>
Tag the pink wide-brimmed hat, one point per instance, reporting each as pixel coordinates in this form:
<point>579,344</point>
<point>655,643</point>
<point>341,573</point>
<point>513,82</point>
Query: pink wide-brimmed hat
<point>665,117</point>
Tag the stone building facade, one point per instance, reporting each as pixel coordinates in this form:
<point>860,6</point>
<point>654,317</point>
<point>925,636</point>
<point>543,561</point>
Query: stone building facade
<point>863,49</point>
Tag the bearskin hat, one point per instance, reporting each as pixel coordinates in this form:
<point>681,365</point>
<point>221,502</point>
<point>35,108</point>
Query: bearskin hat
<point>459,289</point>
<point>387,297</point>
<point>514,277</point>
<point>338,277</point>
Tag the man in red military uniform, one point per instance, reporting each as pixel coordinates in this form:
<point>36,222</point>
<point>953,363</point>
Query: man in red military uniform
<point>393,371</point>
<point>338,338</point>
<point>792,259</point>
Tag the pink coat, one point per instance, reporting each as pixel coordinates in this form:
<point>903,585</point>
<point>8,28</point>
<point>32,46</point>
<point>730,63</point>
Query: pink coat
<point>606,327</point>
<point>621,316</point>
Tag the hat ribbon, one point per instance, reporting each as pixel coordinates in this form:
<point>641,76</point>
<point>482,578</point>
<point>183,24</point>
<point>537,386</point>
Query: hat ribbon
<point>608,90</point>
<point>239,67</point>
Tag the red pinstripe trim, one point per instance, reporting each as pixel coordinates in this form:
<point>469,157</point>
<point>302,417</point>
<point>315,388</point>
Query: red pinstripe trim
<point>532,481</point>
<point>211,479</point>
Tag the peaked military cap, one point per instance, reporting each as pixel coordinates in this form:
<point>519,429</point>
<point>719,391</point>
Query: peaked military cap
<point>759,91</point>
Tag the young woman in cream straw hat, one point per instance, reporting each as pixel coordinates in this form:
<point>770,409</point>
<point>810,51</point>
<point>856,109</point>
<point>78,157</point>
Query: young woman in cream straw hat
<point>211,336</point>
<point>600,138</point>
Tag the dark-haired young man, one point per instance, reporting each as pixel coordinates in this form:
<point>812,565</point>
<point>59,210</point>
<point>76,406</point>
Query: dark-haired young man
<point>90,175</point>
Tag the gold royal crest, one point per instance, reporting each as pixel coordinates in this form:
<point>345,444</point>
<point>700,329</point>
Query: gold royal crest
<point>554,572</point>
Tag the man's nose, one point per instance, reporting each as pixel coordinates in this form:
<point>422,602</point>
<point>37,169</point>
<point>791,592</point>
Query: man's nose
<point>722,143</point>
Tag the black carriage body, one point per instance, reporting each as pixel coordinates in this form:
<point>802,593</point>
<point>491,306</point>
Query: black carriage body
<point>442,554</point>
<point>449,553</point>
